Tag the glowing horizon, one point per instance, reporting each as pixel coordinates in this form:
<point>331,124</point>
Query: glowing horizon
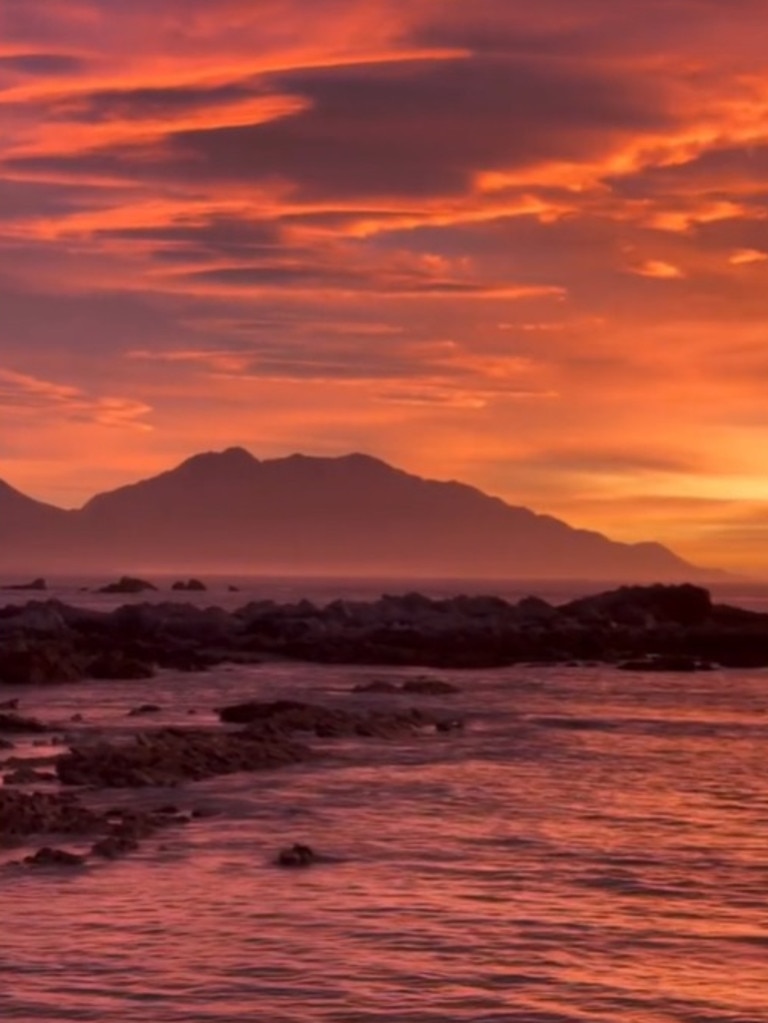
<point>525,249</point>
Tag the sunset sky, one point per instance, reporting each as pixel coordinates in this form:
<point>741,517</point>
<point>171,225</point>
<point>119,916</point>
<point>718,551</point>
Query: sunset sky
<point>524,245</point>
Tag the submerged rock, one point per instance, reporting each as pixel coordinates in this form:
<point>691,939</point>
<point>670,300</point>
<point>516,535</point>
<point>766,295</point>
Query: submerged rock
<point>174,755</point>
<point>49,857</point>
<point>31,813</point>
<point>666,662</point>
<point>281,717</point>
<point>296,855</point>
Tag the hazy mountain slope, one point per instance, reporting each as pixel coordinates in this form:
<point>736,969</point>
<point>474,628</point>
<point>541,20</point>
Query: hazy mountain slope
<point>33,535</point>
<point>353,514</point>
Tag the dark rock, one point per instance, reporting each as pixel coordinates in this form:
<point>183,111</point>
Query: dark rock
<point>9,704</point>
<point>37,663</point>
<point>429,686</point>
<point>28,776</point>
<point>127,584</point>
<point>36,584</point>
<point>279,717</point>
<point>10,722</point>
<point>449,725</point>
<point>296,855</point>
<point>145,708</point>
<point>378,685</point>
<point>114,665</point>
<point>191,585</point>
<point>49,857</point>
<point>29,813</point>
<point>114,846</point>
<point>175,755</point>
<point>666,662</point>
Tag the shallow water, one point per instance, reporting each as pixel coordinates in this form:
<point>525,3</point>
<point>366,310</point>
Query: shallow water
<point>592,848</point>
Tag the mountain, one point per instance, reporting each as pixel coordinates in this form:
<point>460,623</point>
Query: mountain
<point>32,534</point>
<point>228,511</point>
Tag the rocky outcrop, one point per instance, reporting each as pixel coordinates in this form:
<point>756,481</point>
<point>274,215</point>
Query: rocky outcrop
<point>37,662</point>
<point>429,686</point>
<point>42,813</point>
<point>118,665</point>
<point>36,584</point>
<point>191,585</point>
<point>127,584</point>
<point>282,717</point>
<point>12,722</point>
<point>117,832</point>
<point>174,755</point>
<point>50,857</point>
<point>668,662</point>
<point>296,855</point>
<point>50,642</point>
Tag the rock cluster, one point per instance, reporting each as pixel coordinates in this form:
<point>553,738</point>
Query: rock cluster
<point>117,832</point>
<point>52,642</point>
<point>35,813</point>
<point>191,585</point>
<point>282,717</point>
<point>127,584</point>
<point>174,755</point>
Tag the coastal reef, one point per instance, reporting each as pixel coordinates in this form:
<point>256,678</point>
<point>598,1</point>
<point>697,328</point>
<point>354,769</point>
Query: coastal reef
<point>658,627</point>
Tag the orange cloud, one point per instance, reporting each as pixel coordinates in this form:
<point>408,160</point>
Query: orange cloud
<point>520,245</point>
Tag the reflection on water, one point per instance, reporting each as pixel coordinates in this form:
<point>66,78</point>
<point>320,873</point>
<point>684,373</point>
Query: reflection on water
<point>592,848</point>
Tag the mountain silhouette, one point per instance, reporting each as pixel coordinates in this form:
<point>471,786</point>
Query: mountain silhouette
<point>352,515</point>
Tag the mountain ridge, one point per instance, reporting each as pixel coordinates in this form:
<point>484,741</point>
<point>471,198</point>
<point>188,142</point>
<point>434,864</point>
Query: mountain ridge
<point>351,514</point>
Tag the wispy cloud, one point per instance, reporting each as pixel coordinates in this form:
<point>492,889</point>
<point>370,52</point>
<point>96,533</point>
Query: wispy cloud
<point>20,392</point>
<point>455,234</point>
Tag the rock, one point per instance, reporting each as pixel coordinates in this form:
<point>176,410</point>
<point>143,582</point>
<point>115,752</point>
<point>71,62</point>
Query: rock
<point>38,663</point>
<point>114,665</point>
<point>127,584</point>
<point>191,585</point>
<point>378,685</point>
<point>145,708</point>
<point>28,776</point>
<point>449,725</point>
<point>666,662</point>
<point>114,846</point>
<point>429,686</point>
<point>36,584</point>
<point>175,755</point>
<point>280,717</point>
<point>29,813</point>
<point>10,722</point>
<point>9,704</point>
<point>48,857</point>
<point>296,855</point>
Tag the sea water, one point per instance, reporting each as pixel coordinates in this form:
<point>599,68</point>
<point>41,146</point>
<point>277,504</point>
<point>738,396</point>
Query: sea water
<point>593,847</point>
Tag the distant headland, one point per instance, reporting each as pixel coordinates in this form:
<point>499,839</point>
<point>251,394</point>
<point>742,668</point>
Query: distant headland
<point>353,515</point>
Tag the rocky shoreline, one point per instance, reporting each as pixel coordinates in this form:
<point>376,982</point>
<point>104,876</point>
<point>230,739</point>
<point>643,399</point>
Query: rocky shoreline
<point>660,627</point>
<point>640,628</point>
<point>251,736</point>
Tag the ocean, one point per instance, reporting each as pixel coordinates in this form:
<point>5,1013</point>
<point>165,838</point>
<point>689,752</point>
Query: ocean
<point>592,847</point>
